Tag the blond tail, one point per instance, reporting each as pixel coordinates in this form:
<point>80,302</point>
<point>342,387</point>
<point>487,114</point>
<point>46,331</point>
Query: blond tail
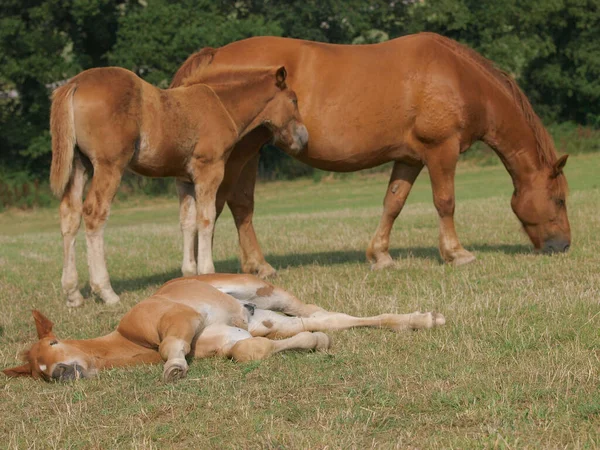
<point>62,128</point>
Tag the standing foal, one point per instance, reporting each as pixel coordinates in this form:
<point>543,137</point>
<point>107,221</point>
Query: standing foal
<point>235,316</point>
<point>118,121</point>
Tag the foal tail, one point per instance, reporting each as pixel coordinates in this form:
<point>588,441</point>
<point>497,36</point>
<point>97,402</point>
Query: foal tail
<point>62,128</point>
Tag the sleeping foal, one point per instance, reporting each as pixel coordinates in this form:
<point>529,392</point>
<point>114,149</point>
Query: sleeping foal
<point>236,316</point>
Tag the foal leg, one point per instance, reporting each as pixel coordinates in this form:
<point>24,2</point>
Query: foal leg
<point>207,178</point>
<point>441,163</point>
<point>70,220</point>
<point>274,325</point>
<point>189,227</point>
<point>238,344</point>
<point>401,181</point>
<point>251,289</point>
<point>178,329</point>
<point>96,209</point>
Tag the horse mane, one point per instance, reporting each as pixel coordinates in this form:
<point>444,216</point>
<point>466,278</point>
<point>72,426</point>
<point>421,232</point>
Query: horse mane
<point>544,143</point>
<point>195,61</point>
<point>228,75</point>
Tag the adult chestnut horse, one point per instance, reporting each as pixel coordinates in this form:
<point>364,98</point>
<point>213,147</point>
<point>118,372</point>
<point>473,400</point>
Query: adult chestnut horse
<point>207,315</point>
<point>119,121</point>
<point>419,100</point>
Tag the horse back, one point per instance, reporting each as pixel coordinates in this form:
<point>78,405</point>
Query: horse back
<point>107,110</point>
<point>366,104</point>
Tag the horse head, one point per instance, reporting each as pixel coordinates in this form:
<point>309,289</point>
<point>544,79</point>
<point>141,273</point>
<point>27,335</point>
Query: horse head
<point>52,359</point>
<point>541,207</point>
<point>282,117</point>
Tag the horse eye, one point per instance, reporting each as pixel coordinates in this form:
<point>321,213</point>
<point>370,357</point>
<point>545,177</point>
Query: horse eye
<point>560,202</point>
<point>54,342</point>
<point>295,102</point>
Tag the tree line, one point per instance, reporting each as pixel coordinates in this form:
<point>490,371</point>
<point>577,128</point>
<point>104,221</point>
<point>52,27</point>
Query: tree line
<point>552,48</point>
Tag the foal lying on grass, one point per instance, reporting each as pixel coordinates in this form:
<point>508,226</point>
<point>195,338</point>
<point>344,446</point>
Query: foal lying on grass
<point>236,316</point>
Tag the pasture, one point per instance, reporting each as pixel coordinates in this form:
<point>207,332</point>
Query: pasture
<point>517,364</point>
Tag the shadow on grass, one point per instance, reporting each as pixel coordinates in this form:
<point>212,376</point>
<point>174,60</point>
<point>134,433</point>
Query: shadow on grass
<point>322,258</point>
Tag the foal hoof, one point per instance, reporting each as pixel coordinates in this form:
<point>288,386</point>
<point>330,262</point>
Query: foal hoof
<point>110,298</point>
<point>74,300</point>
<point>175,369</point>
<point>266,271</point>
<point>323,341</point>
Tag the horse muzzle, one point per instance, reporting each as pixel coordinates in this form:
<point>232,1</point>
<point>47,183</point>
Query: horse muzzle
<point>67,372</point>
<point>554,245</point>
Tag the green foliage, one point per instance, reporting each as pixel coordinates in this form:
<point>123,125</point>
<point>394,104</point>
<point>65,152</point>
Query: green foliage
<point>552,47</point>
<point>153,41</point>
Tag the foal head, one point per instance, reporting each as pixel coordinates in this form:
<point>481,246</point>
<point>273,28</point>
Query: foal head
<point>282,117</point>
<point>50,359</point>
<point>541,207</point>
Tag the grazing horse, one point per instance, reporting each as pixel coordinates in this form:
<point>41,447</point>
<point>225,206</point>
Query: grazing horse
<point>236,316</point>
<point>118,121</point>
<point>418,100</point>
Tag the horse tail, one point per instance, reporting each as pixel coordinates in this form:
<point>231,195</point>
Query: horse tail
<point>194,62</point>
<point>62,129</point>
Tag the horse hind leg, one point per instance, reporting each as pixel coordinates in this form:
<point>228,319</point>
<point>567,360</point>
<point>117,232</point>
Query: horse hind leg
<point>70,221</point>
<point>96,209</point>
<point>401,181</point>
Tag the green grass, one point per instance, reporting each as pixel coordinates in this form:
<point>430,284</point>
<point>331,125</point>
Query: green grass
<point>517,364</point>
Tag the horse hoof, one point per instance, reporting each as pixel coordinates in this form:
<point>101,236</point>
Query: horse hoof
<point>175,370</point>
<point>110,298</point>
<point>438,319</point>
<point>266,271</point>
<point>383,263</point>
<point>75,300</point>
<point>323,341</point>
<point>462,258</point>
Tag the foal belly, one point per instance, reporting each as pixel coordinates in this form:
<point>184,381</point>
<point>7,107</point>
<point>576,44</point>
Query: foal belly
<point>152,160</point>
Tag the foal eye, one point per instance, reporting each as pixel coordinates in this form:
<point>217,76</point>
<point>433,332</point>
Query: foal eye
<point>560,202</point>
<point>54,342</point>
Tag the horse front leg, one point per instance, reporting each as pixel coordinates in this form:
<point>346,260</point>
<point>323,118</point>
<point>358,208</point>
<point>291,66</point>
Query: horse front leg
<point>441,162</point>
<point>70,221</point>
<point>401,181</point>
<point>96,209</point>
<point>189,227</point>
<point>208,175</point>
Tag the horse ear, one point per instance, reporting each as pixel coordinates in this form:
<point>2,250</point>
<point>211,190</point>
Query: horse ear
<point>280,76</point>
<point>43,325</point>
<point>19,371</point>
<point>559,165</point>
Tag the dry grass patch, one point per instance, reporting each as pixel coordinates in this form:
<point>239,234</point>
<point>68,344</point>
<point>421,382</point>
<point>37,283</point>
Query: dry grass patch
<point>517,364</point>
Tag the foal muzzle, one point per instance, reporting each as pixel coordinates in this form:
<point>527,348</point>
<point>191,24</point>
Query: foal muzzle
<point>67,372</point>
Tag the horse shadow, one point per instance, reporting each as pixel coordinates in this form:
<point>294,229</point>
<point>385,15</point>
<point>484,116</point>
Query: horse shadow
<point>327,258</point>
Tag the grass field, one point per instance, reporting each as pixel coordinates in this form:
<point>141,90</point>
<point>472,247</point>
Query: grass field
<point>517,364</point>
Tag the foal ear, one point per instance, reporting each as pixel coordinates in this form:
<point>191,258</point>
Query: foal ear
<point>280,76</point>
<point>43,325</point>
<point>559,165</point>
<point>19,371</point>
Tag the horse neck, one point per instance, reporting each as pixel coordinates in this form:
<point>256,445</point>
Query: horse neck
<point>244,101</point>
<point>514,140</point>
<point>113,350</point>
